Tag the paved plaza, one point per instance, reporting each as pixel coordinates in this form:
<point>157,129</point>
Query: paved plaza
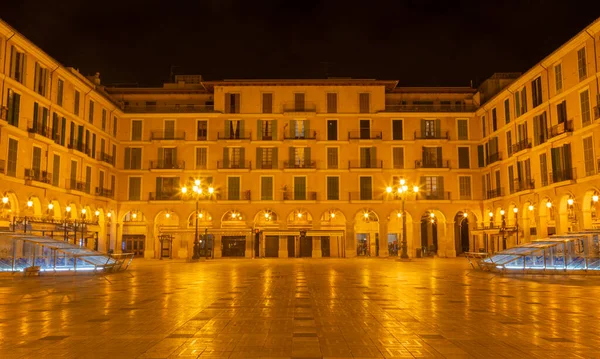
<point>300,308</point>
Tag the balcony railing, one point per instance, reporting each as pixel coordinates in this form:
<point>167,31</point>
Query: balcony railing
<point>164,135</point>
<point>38,175</point>
<point>429,108</point>
<point>307,135</point>
<point>520,146</point>
<point>167,165</point>
<point>299,107</point>
<point>365,135</point>
<point>105,157</point>
<point>432,136</point>
<point>493,193</point>
<point>365,164</point>
<point>234,135</point>
<point>164,196</point>
<point>189,108</point>
<point>105,192</point>
<point>267,165</point>
<point>523,185</point>
<point>266,137</point>
<point>73,184</point>
<point>38,129</point>
<point>299,196</point>
<point>230,165</point>
<point>434,196</point>
<point>494,157</point>
<point>76,146</point>
<point>561,128</point>
<point>365,196</point>
<point>300,164</point>
<point>568,174</point>
<point>234,195</point>
<point>432,164</point>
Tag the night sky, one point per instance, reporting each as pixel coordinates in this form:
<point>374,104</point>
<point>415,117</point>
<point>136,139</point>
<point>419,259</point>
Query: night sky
<point>419,43</point>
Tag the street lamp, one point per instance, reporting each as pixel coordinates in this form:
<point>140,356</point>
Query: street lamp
<point>67,212</point>
<point>196,193</point>
<point>516,212</point>
<point>403,192</point>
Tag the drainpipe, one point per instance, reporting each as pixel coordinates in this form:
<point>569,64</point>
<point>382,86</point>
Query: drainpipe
<point>7,53</point>
<point>595,68</point>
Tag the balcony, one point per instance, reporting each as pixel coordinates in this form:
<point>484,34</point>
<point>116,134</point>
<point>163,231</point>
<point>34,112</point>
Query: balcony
<point>105,192</point>
<point>299,196</point>
<point>266,137</point>
<point>167,165</point>
<point>365,196</point>
<point>267,165</point>
<point>569,174</point>
<point>164,196</point>
<point>494,157</point>
<point>76,146</point>
<point>432,164</point>
<point>365,135</point>
<point>74,185</point>
<point>234,165</point>
<point>105,157</point>
<point>300,164</point>
<point>299,107</point>
<point>559,129</point>
<point>524,185</point>
<point>494,193</point>
<point>433,196</point>
<point>234,135</point>
<point>38,129</point>
<point>235,195</point>
<point>432,136</point>
<point>175,108</point>
<point>307,135</point>
<point>398,107</point>
<point>168,136</point>
<point>38,176</point>
<point>365,164</point>
<point>520,146</point>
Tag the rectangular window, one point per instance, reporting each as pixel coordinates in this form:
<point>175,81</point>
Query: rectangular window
<point>267,103</point>
<point>543,169</point>
<point>266,158</point>
<point>366,189</point>
<point>584,100</point>
<point>364,102</point>
<point>234,188</point>
<point>558,81</point>
<point>266,188</point>
<point>509,143</point>
<point>300,188</point>
<point>561,163</point>
<point>101,179</point>
<point>13,149</point>
<point>332,102</point>
<point>511,179</point>
<point>483,126</point>
<point>588,156</point>
<point>365,129</point>
<point>333,188</point>
<point>76,103</point>
<point>480,156</point>
<point>103,119</point>
<point>507,111</point>
<point>14,107</point>
<point>88,179</point>
<point>202,134</point>
<point>266,130</point>
<point>93,145</point>
<point>232,103</point>
<point>582,63</point>
<point>464,183</point>
<point>201,153</point>
<point>56,171</point>
<point>463,157</point>
<point>398,157</point>
<point>368,157</point>
<point>60,88</point>
<point>40,79</point>
<point>63,131</point>
<point>115,126</point>
<point>169,130</point>
<point>17,64</point>
<point>397,130</point>
<point>113,181</point>
<point>523,100</point>
<point>431,129</point>
<point>332,158</point>
<point>332,130</point>
<point>135,188</point>
<point>91,112</point>
<point>73,179</point>
<point>540,129</point>
<point>463,129</point>
<point>561,110</point>
<point>536,91</point>
<point>133,158</point>
<point>36,163</point>
<point>136,130</point>
<point>299,102</point>
<point>494,120</point>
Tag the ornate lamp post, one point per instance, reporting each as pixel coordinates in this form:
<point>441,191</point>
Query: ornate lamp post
<point>83,212</point>
<point>516,212</point>
<point>403,192</point>
<point>67,212</point>
<point>196,193</point>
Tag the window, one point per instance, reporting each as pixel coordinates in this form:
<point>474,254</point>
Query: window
<point>115,126</point>
<point>368,157</point>
<point>430,129</point>
<point>112,183</point>
<point>102,148</point>
<point>60,88</point>
<point>464,183</point>
<point>480,156</point>
<point>101,179</point>
<point>536,91</point>
<point>540,129</point>
<point>93,145</point>
<point>332,130</point>
<point>73,179</point>
<point>63,131</point>
<point>88,179</point>
<point>494,120</point>
<point>582,63</point>
<point>561,163</point>
<point>366,188</point>
<point>483,126</point>
<point>431,157</point>
<point>13,150</point>
<point>558,81</point>
<point>521,102</point>
<point>397,130</point>
<point>332,158</point>
<point>433,187</point>
<point>588,155</point>
<point>232,103</point>
<point>114,154</point>
<point>333,188</point>
<point>56,171</point>
<point>234,129</point>
<point>91,112</point>
<point>584,100</point>
<point>266,188</point>
<point>267,103</point>
<point>167,157</point>
<point>300,157</point>
<point>364,102</point>
<point>133,158</point>
<point>522,136</point>
<point>40,80</point>
<point>509,143</point>
<point>202,133</point>
<point>17,64</point>
<point>76,103</point>
<point>169,130</point>
<point>201,153</point>
<point>103,119</point>
<point>365,129</point>
<point>398,157</point>
<point>300,129</point>
<point>561,110</point>
<point>136,130</point>
<point>36,163</point>
<point>507,111</point>
<point>463,157</point>
<point>234,188</point>
<point>511,179</point>
<point>266,158</point>
<point>14,106</point>
<point>300,188</point>
<point>234,157</point>
<point>40,120</point>
<point>332,102</point>
<point>299,102</point>
<point>543,169</point>
<point>267,130</point>
<point>135,188</point>
<point>463,129</point>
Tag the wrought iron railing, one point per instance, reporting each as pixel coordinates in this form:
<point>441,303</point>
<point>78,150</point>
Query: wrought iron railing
<point>395,107</point>
<point>299,196</point>
<point>494,193</point>
<point>568,174</point>
<point>300,164</point>
<point>365,135</point>
<point>38,175</point>
<point>434,195</point>
<point>432,164</point>
<point>419,135</point>
<point>365,164</point>
<point>561,128</point>
<point>167,135</point>
<point>234,165</point>
<point>299,107</point>
<point>189,108</point>
<point>167,165</point>
<point>234,135</point>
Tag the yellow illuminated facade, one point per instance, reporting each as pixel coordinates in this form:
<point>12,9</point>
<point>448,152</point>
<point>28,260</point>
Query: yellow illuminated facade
<point>305,168</point>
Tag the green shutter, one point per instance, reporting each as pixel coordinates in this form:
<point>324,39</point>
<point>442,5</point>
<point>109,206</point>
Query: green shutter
<point>438,128</point>
<point>175,156</point>
<point>517,105</point>
<point>373,157</point>
<point>307,158</point>
<point>567,158</point>
<point>259,152</point>
<point>306,128</point>
<point>45,115</point>
<point>274,130</point>
<point>291,156</point>
<point>35,115</point>
<point>292,131</point>
<point>242,158</point>
<point>524,99</point>
<point>161,155</point>
<point>225,157</point>
<point>158,185</point>
<point>439,157</point>
<point>227,127</point>
<point>127,164</point>
<point>480,156</point>
<point>241,127</point>
<point>440,186</point>
<point>259,130</point>
<point>274,159</point>
<point>423,128</point>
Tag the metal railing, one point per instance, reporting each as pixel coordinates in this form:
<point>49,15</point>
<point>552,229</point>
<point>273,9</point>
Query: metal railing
<point>365,164</point>
<point>561,128</point>
<point>432,164</point>
<point>38,175</point>
<point>189,108</point>
<point>299,196</point>
<point>300,164</point>
<point>568,174</point>
<point>365,135</point>
<point>105,192</point>
<point>267,165</point>
<point>234,135</point>
<point>234,165</point>
<point>520,146</point>
<point>434,195</point>
<point>164,135</point>
<point>494,157</point>
<point>266,137</point>
<point>307,135</point>
<point>76,146</point>
<point>73,184</point>
<point>299,107</point>
<point>395,107</point>
<point>494,193</point>
<point>523,185</point>
<point>226,195</point>
<point>364,196</point>
<point>38,129</point>
<point>164,196</point>
<point>167,165</point>
<point>419,135</point>
<point>105,157</point>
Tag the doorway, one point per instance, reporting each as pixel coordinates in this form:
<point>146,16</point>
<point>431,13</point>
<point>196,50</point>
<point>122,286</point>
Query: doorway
<point>429,240</point>
<point>461,233</point>
<point>393,244</point>
<point>233,246</point>
<point>306,246</point>
<point>362,245</point>
<point>325,247</point>
<point>134,244</point>
<point>272,246</point>
<point>291,244</point>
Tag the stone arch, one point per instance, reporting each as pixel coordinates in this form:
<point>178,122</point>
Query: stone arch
<point>567,213</point>
<point>36,206</point>
<point>266,218</point>
<point>590,208</point>
<point>166,218</point>
<point>57,211</point>
<point>71,210</point>
<point>546,218</point>
<point>511,219</point>
<point>528,221</point>
<point>395,232</point>
<point>204,219</point>
<point>134,216</point>
<point>434,236</point>
<point>333,217</point>
<point>11,207</point>
<point>299,217</point>
<point>366,231</point>
<point>462,242</point>
<point>233,217</point>
<point>498,216</point>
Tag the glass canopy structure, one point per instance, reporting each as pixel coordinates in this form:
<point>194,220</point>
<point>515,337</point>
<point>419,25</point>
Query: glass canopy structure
<point>577,252</point>
<point>30,253</point>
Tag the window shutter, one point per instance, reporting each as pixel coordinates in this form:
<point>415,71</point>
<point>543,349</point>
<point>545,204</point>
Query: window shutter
<point>158,186</point>
<point>306,128</point>
<point>242,158</point>
<point>524,99</point>
<point>175,156</point>
<point>237,102</point>
<point>423,128</point>
<point>259,130</point>
<point>45,115</point>
<point>292,128</point>
<point>35,115</point>
<point>259,154</point>
<point>227,128</point>
<point>225,157</point>
<point>55,126</point>
<point>274,130</point>
<point>161,154</point>
<point>227,103</point>
<point>438,128</point>
<point>517,105</point>
<point>241,127</point>
<point>127,158</point>
<point>373,157</point>
<point>439,157</point>
<point>274,160</point>
<point>440,186</point>
<point>480,156</point>
<point>292,158</point>
<point>13,61</point>
<point>307,162</point>
<point>567,159</point>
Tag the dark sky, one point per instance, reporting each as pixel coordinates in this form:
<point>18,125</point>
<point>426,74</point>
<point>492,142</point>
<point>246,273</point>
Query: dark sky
<point>428,43</point>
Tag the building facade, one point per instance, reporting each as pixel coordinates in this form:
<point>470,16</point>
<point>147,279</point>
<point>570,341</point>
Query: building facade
<point>289,168</point>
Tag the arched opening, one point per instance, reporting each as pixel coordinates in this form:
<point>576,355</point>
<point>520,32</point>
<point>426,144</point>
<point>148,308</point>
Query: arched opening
<point>591,209</point>
<point>568,220</point>
<point>135,230</point>
<point>9,208</point>
<point>333,246</point>
<point>546,214</point>
<point>235,244</point>
<point>461,232</point>
<point>266,218</point>
<point>397,237</point>
<point>366,229</point>
<point>166,230</point>
<point>429,233</point>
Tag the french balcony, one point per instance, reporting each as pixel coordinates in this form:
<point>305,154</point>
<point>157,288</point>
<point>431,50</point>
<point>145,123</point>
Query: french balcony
<point>266,165</point>
<point>38,129</point>
<point>561,128</point>
<point>398,107</point>
<point>433,196</point>
<point>74,185</point>
<point>167,135</point>
<point>568,174</point>
<point>494,193</point>
<point>524,185</point>
<point>105,192</point>
<point>373,164</point>
<point>365,135</point>
<point>266,137</point>
<point>494,157</point>
<point>234,135</point>
<point>520,146</point>
<point>174,108</point>
<point>300,164</point>
<point>234,165</point>
<point>164,196</point>
<point>105,157</point>
<point>234,195</point>
<point>419,135</point>
<point>76,146</point>
<point>364,196</point>
<point>299,196</point>
<point>432,164</point>
<point>38,176</point>
<point>167,165</point>
<point>306,135</point>
<point>298,107</point>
